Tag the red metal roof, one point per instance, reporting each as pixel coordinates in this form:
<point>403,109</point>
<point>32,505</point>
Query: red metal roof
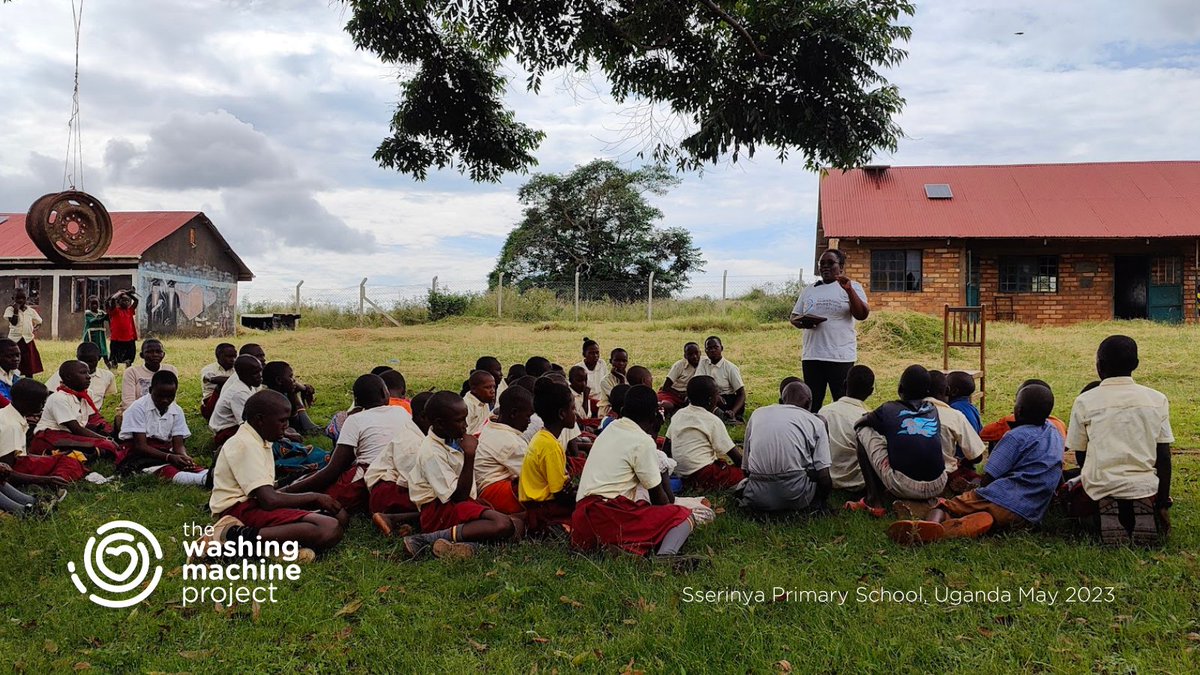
<point>1103,200</point>
<point>134,232</point>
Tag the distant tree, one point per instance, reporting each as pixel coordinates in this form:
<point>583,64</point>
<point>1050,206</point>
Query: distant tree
<point>596,220</point>
<point>792,75</point>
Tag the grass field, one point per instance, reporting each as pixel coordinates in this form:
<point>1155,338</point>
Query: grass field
<point>540,608</point>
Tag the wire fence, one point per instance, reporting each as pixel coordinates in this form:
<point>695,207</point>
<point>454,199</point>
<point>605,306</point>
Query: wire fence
<point>763,298</point>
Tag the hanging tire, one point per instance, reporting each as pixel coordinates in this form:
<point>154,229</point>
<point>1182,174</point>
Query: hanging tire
<point>69,227</point>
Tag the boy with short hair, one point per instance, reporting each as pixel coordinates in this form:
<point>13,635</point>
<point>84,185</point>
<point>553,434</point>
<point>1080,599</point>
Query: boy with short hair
<point>397,390</point>
<point>153,435</point>
<point>122,326</point>
<point>1121,433</point>
<point>492,365</point>
<point>731,391</point>
<point>787,457</point>
<point>214,376</point>
<point>673,394</point>
<point>480,399</point>
<point>103,383</point>
<point>706,457</point>
<point>64,419</point>
<point>543,487</point>
<point>135,382</point>
<point>227,413</point>
<point>279,376</point>
<point>442,485</point>
<point>577,376</point>
<point>616,401</point>
<point>623,459</point>
<point>392,510</point>
<point>502,451</point>
<point>1022,474</point>
<point>244,499</point>
<point>56,470</point>
<point>938,386</point>
<point>618,361</point>
<point>10,367</point>
<point>365,435</point>
<point>992,433</point>
<point>960,386</point>
<point>840,418</point>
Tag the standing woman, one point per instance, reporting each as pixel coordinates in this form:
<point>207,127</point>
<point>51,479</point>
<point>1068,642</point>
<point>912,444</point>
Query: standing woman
<point>94,318</point>
<point>827,311</point>
<point>23,320</point>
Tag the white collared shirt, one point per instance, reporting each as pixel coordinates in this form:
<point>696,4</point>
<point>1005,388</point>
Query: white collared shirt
<point>436,472</point>
<point>143,417</point>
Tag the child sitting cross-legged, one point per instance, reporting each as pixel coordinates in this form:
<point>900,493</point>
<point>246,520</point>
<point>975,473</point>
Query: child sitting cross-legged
<point>102,384</point>
<point>1022,473</point>
<point>392,510</point>
<point>585,404</point>
<point>673,394</point>
<point>502,450</point>
<point>244,499</point>
<point>731,391</point>
<point>544,486</point>
<point>480,399</point>
<point>53,471</point>
<point>442,485</point>
<point>153,433</point>
<point>707,457</point>
<point>63,426</point>
<point>214,376</point>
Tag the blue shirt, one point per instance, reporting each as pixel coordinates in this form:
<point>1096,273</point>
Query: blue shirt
<point>1027,467</point>
<point>968,409</point>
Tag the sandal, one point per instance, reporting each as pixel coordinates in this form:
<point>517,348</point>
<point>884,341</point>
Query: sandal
<point>862,505</point>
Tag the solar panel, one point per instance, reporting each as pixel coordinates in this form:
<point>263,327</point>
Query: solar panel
<point>938,191</point>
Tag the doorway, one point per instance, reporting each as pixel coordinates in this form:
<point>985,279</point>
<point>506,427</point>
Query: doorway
<point>1147,287</point>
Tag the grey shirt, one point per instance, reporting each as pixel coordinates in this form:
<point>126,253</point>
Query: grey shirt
<point>783,443</point>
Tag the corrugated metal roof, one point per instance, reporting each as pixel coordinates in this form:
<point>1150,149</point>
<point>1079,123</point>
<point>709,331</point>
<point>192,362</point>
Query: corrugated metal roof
<point>134,232</point>
<point>1101,200</point>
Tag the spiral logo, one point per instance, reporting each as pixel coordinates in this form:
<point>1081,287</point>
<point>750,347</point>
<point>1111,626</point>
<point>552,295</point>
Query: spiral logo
<point>126,542</point>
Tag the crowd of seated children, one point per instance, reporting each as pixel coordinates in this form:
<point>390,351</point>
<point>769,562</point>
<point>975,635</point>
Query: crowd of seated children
<point>787,457</point>
<point>673,394</point>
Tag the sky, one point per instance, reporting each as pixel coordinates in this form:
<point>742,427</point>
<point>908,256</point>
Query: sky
<point>261,114</point>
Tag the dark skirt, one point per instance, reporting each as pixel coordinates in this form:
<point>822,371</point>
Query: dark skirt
<point>31,360</point>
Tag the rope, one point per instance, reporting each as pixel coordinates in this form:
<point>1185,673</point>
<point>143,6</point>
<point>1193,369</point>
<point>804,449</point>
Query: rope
<point>73,164</point>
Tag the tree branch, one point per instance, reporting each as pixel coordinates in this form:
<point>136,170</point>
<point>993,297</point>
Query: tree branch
<point>733,23</point>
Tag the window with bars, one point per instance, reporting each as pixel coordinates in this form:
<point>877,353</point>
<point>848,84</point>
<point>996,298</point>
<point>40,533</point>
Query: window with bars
<point>896,271</point>
<point>1166,271</point>
<point>86,287</point>
<point>1029,274</point>
<point>32,287</point>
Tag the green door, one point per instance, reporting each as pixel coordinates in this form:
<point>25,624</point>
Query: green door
<point>972,279</point>
<point>1166,289</point>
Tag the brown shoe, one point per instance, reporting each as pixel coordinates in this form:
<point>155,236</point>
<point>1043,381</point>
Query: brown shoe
<point>971,526</point>
<point>445,549</point>
<point>910,509</point>
<point>218,535</point>
<point>914,532</point>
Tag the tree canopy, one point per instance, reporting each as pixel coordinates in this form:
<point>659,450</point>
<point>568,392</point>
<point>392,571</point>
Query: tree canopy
<point>792,75</point>
<point>596,220</point>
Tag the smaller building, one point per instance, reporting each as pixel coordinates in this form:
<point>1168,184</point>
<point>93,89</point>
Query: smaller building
<point>1037,243</point>
<point>184,271</point>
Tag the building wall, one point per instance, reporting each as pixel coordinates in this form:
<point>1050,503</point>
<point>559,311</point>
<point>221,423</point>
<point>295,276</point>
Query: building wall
<point>70,320</point>
<point>188,284</point>
<point>1085,281</point>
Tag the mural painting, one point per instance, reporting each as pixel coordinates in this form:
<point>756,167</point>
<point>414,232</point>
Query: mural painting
<point>183,305</point>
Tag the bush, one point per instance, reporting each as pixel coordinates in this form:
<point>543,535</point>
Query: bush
<point>444,304</point>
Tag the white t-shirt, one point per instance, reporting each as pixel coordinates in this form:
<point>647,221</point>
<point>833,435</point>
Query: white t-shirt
<point>13,428</point>
<point>500,454</point>
<point>623,458</point>
<point>103,384</point>
<point>61,408</point>
<point>244,465</point>
<point>698,438</point>
<point>370,432</point>
<point>143,417</point>
<point>396,461</point>
<point>1119,425</point>
<point>436,472</point>
<point>727,375</point>
<point>680,374</point>
<point>834,339</point>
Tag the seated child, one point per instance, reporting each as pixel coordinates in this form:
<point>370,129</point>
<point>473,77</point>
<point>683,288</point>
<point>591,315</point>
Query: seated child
<point>227,413</point>
<point>840,418</point>
<point>993,432</point>
<point>103,384</point>
<point>572,439</point>
<point>213,377</point>
<point>10,366</point>
<point>244,499</point>
<point>639,375</point>
<point>536,366</point>
<point>52,471</point>
<point>730,388</point>
<point>278,376</point>
<point>673,394</point>
<point>961,446</point>
<point>785,382</point>
<point>787,457</point>
<point>585,405</point>
<point>595,367</point>
<point>706,457</point>
<point>135,382</point>
<point>153,433</point>
<point>623,459</point>
<point>13,501</point>
<point>544,486</point>
<point>900,447</point>
<point>959,388</point>
<point>442,485</point>
<point>515,372</point>
<point>1121,433</point>
<point>366,434</point>
<point>63,425</point>
<point>618,362</point>
<point>492,365</point>
<point>502,450</point>
<point>480,399</point>
<point>616,401</point>
<point>1021,476</point>
<point>938,387</point>
<point>387,478</point>
<point>397,390</point>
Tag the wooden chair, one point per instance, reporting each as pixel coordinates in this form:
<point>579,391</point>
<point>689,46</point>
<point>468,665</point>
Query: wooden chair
<point>1005,311</point>
<point>967,327</point>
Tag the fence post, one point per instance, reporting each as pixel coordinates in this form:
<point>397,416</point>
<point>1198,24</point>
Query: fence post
<point>724,285</point>
<point>577,294</point>
<point>434,286</point>
<point>362,298</point>
<point>298,295</point>
<point>650,298</point>
<point>500,296</point>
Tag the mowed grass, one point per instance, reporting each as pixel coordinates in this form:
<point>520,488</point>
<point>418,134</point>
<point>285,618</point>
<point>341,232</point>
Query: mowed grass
<point>540,608</point>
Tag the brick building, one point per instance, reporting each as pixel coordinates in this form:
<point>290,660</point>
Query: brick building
<point>183,269</point>
<point>1036,243</point>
